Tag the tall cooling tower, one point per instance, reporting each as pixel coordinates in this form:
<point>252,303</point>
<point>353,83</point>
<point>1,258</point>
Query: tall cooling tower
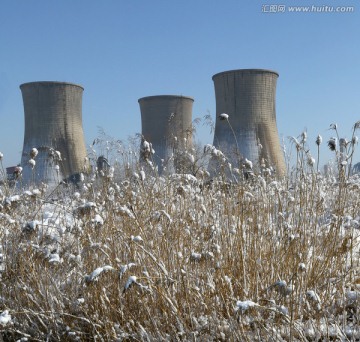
<point>248,97</point>
<point>53,122</point>
<point>167,124</point>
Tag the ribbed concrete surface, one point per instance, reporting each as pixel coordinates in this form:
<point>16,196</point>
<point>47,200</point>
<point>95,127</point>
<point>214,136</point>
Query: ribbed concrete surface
<point>53,119</point>
<point>163,118</point>
<point>248,97</point>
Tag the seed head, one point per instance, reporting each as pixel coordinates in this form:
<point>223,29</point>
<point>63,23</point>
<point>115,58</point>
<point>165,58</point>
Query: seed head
<point>248,164</point>
<point>318,140</point>
<point>332,144</point>
<point>33,153</point>
<point>333,126</point>
<point>32,163</point>
<point>310,160</point>
<point>303,137</point>
<point>58,155</point>
<point>302,267</point>
<point>18,171</point>
<point>357,125</point>
<point>223,116</point>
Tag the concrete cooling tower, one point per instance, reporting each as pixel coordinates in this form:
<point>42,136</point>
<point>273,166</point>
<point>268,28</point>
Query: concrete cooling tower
<point>248,97</point>
<point>53,123</point>
<point>167,124</point>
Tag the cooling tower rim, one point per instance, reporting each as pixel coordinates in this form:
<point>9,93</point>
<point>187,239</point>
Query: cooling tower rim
<point>246,71</point>
<point>159,97</point>
<point>51,83</point>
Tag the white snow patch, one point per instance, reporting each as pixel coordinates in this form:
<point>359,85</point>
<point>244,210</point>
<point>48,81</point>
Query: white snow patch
<point>243,306</point>
<point>5,318</point>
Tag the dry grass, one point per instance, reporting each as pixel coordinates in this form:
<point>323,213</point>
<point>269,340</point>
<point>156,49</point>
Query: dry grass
<point>261,259</point>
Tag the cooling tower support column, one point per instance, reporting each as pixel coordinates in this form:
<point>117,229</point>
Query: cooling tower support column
<point>53,122</point>
<point>167,124</point>
<point>248,97</point>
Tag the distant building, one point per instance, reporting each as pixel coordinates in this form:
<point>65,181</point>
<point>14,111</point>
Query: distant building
<point>356,168</point>
<point>166,122</point>
<point>10,173</point>
<point>245,125</point>
<point>102,164</point>
<point>53,125</point>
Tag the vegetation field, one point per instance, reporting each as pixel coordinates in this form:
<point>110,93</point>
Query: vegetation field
<point>128,255</point>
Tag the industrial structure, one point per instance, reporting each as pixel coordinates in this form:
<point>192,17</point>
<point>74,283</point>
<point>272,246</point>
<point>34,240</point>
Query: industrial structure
<point>53,126</point>
<point>167,125</point>
<point>249,129</point>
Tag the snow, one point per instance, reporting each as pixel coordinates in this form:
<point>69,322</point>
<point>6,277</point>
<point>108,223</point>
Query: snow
<point>131,280</point>
<point>125,211</point>
<point>195,256</point>
<point>32,225</point>
<point>243,306</point>
<point>98,220</point>
<point>137,238</point>
<point>302,267</point>
<point>313,296</point>
<point>54,258</point>
<point>5,318</point>
<point>192,238</point>
<point>224,116</point>
<point>124,268</point>
<point>96,273</point>
<point>353,297</point>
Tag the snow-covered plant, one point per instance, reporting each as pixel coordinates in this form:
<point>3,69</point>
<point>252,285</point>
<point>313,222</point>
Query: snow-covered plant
<point>147,257</point>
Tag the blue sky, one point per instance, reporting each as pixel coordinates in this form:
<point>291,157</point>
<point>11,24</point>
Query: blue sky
<point>121,50</point>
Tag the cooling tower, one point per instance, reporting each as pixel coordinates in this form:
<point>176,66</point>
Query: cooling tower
<point>248,97</point>
<point>53,122</point>
<point>167,124</point>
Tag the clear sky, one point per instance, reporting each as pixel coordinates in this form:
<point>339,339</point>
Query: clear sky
<point>121,50</point>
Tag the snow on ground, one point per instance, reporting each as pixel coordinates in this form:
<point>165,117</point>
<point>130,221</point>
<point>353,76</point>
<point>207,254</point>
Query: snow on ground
<point>211,259</point>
